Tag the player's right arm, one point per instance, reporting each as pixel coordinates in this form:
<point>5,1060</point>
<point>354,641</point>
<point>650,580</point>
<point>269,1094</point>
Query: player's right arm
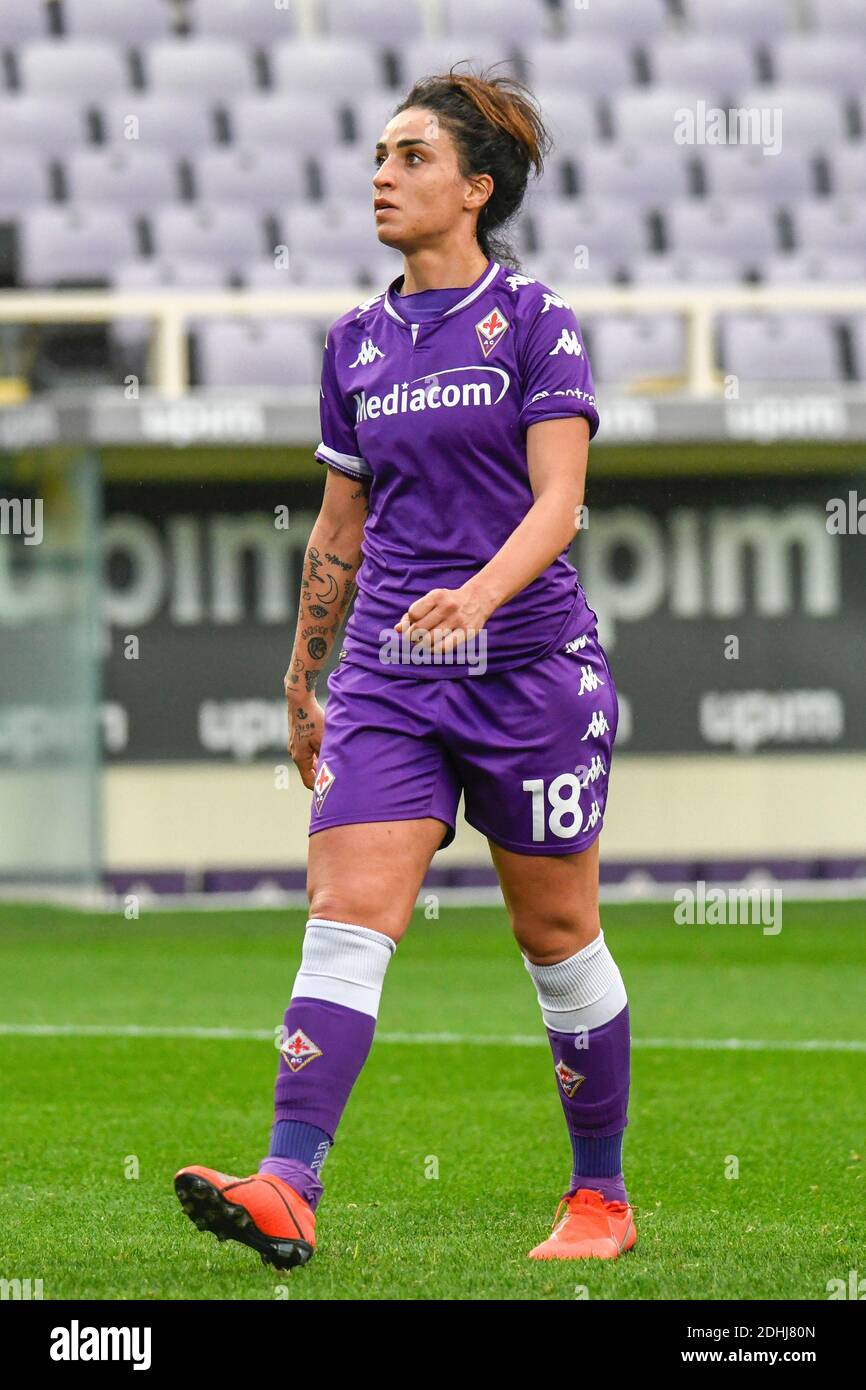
<point>331,561</point>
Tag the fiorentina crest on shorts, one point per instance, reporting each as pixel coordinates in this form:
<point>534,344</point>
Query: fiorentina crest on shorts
<point>298,1050</point>
<point>490,329</point>
<point>325,779</point>
<point>569,1080</point>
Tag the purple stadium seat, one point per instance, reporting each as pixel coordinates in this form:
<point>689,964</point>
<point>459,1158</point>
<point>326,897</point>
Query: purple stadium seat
<point>24,181</point>
<point>572,119</point>
<point>326,67</point>
<point>255,178</point>
<point>162,275</point>
<point>124,24</point>
<point>429,57</point>
<point>682,268</point>
<point>214,68</point>
<point>593,67</point>
<point>51,125</point>
<point>507,21</point>
<point>742,228</point>
<point>716,63</point>
<point>262,119</point>
<point>59,244</point>
<point>739,19</point>
<point>390,25</point>
<point>608,227</point>
<point>779,347</point>
<point>811,60</point>
<point>552,185</point>
<point>656,113</point>
<point>19,22</point>
<point>68,67</point>
<point>616,18</point>
<point>343,229</point>
<point>557,270</point>
<point>810,118</point>
<point>838,17</point>
<point>250,21</point>
<point>303,271</point>
<point>831,226</point>
<point>647,175</point>
<point>133,179</point>
<point>848,169</point>
<point>159,121</point>
<point>346,172</point>
<point>744,171</point>
<point>258,352</point>
<point>799,268</point>
<point>637,349</point>
<point>227,235</point>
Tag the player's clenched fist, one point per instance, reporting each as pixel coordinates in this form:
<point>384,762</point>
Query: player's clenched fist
<point>448,615</point>
<point>306,727</point>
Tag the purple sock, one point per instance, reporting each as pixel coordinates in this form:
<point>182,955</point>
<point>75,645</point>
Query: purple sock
<point>593,1077</point>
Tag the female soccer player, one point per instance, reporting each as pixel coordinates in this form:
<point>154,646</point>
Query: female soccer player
<point>456,412</point>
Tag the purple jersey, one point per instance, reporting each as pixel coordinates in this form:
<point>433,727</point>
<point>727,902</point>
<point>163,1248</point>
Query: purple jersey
<point>435,413</point>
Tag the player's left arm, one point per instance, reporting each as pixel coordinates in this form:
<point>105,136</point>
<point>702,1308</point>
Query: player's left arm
<point>557,452</point>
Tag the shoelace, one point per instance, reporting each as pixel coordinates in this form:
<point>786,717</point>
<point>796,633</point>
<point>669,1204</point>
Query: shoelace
<point>579,1199</point>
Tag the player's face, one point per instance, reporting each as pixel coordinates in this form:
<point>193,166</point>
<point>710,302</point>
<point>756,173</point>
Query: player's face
<point>416,172</point>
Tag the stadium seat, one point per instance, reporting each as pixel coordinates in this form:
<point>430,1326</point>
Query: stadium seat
<point>745,229</point>
<point>744,171</point>
<point>837,17</point>
<point>847,165</point>
<point>572,119</point>
<point>20,22</point>
<point>323,229</point>
<point>263,120</point>
<point>557,270</point>
<point>51,125</point>
<point>506,21</point>
<point>857,330</point>
<point>133,179</point>
<point>593,67</point>
<point>554,182</point>
<point>656,113</point>
<point>811,118</point>
<point>212,68</point>
<point>430,57</point>
<point>247,20</point>
<point>228,235</point>
<point>67,67</point>
<point>831,226</point>
<point>181,124</point>
<point>780,348</point>
<point>24,181</point>
<point>647,175</point>
<point>346,172</point>
<point>393,25</point>
<point>124,24</point>
<point>614,18</point>
<point>803,267</point>
<point>632,350</point>
<point>312,270</point>
<point>608,227</point>
<point>685,268</point>
<point>255,178</point>
<point>740,19</point>
<point>822,61</point>
<point>83,244</point>
<point>258,353</point>
<point>719,63</point>
<point>163,275</point>
<point>327,67</point>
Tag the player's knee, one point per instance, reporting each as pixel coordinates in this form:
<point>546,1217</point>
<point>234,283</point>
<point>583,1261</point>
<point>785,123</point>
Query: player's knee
<point>547,937</point>
<point>344,906</point>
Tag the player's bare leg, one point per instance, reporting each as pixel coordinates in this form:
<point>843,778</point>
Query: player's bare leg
<point>553,904</point>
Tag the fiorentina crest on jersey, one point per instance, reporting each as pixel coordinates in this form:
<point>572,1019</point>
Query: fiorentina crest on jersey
<point>325,779</point>
<point>490,329</point>
<point>298,1050</point>
<point>569,1080</point>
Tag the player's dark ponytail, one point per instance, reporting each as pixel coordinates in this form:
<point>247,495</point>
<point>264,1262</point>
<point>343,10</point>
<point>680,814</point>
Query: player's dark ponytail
<point>497,129</point>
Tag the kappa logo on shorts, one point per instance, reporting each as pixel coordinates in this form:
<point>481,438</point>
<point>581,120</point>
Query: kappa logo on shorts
<point>490,329</point>
<point>325,779</point>
<point>597,725</point>
<point>577,644</point>
<point>589,681</point>
<point>569,1079</point>
<point>298,1050</point>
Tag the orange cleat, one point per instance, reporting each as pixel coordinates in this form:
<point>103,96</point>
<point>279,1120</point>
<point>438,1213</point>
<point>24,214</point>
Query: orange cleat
<point>261,1211</point>
<point>591,1227</point>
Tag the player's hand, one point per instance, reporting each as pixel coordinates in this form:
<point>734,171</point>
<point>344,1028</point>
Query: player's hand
<point>450,615</point>
<point>306,728</point>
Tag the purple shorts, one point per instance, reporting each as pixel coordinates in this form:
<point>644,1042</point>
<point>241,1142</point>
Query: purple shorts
<point>529,748</point>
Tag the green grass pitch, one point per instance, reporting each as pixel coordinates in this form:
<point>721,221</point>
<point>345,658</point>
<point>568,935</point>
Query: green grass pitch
<point>96,1126</point>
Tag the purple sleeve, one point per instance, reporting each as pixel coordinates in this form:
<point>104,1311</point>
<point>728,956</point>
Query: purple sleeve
<point>556,378</point>
<point>338,445</point>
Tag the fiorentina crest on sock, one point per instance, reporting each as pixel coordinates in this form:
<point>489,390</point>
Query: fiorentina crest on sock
<point>298,1050</point>
<point>569,1080</point>
<point>323,784</point>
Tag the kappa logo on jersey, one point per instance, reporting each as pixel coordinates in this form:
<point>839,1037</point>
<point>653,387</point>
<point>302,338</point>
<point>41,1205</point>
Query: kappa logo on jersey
<point>298,1050</point>
<point>516,282</point>
<point>577,644</point>
<point>369,352</point>
<point>589,681</point>
<point>368,304</point>
<point>490,329</point>
<point>325,779</point>
<point>597,725</point>
<point>569,342</point>
<point>569,1079</point>
<point>553,301</point>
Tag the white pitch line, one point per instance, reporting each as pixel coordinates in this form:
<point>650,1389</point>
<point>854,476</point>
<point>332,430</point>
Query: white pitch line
<point>134,1030</point>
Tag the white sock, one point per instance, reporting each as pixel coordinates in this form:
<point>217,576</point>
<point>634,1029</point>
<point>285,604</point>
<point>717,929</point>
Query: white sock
<point>583,991</point>
<point>344,964</point>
